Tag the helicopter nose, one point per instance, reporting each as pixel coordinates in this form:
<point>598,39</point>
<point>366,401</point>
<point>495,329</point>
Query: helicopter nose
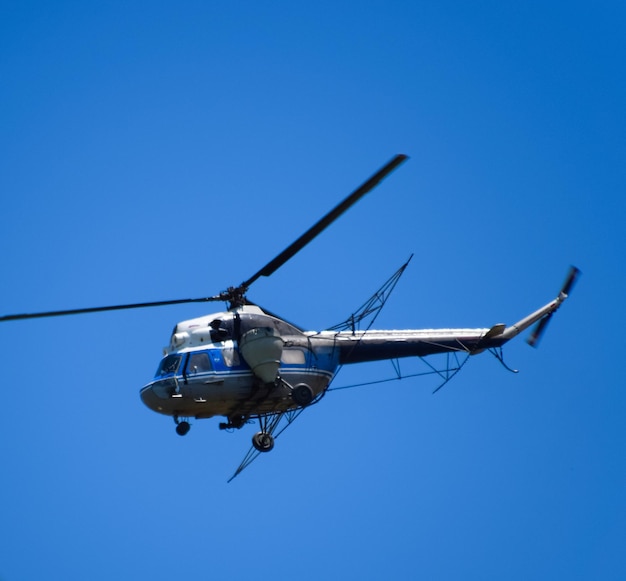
<point>151,399</point>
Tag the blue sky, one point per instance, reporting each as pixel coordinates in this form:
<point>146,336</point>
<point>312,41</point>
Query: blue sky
<point>160,150</point>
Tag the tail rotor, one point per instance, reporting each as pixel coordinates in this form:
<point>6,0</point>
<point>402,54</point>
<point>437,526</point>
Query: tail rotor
<point>540,328</point>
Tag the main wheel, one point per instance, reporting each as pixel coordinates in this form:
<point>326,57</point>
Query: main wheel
<point>302,394</point>
<point>263,441</point>
<point>182,428</point>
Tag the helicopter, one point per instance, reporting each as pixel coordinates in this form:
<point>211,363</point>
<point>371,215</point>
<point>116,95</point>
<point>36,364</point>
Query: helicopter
<point>249,365</point>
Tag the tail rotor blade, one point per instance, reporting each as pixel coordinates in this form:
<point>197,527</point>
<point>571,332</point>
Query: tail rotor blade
<point>538,331</point>
<point>571,279</point>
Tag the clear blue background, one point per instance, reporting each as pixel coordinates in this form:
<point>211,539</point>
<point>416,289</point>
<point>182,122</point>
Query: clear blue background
<point>161,150</point>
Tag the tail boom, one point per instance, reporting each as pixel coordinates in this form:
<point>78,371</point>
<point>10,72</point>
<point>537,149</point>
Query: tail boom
<point>530,320</point>
<point>373,345</point>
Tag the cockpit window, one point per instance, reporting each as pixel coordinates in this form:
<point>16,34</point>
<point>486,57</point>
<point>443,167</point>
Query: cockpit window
<point>168,365</point>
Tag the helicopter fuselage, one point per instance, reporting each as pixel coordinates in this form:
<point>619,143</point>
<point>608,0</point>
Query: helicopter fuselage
<point>228,387</point>
<point>209,370</point>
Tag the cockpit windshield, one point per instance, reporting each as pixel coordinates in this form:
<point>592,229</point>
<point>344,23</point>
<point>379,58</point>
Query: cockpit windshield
<point>168,365</point>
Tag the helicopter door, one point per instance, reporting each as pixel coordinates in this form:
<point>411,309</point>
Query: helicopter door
<point>199,373</point>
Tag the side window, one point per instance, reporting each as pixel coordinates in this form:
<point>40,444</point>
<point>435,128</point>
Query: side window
<point>293,356</point>
<point>199,363</point>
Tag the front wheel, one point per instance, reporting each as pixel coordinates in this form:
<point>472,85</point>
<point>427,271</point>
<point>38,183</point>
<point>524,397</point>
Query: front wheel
<point>263,442</point>
<point>182,428</point>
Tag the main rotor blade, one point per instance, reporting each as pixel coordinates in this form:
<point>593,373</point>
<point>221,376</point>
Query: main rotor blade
<point>328,219</point>
<point>109,308</point>
<point>235,295</point>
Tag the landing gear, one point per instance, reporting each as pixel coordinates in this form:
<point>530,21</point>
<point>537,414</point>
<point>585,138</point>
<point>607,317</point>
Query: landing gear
<point>181,427</point>
<point>263,442</point>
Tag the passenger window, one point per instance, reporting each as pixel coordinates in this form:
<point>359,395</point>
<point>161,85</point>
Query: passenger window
<point>293,356</point>
<point>199,363</point>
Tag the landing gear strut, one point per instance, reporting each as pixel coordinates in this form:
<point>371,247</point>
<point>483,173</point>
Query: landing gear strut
<point>234,422</point>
